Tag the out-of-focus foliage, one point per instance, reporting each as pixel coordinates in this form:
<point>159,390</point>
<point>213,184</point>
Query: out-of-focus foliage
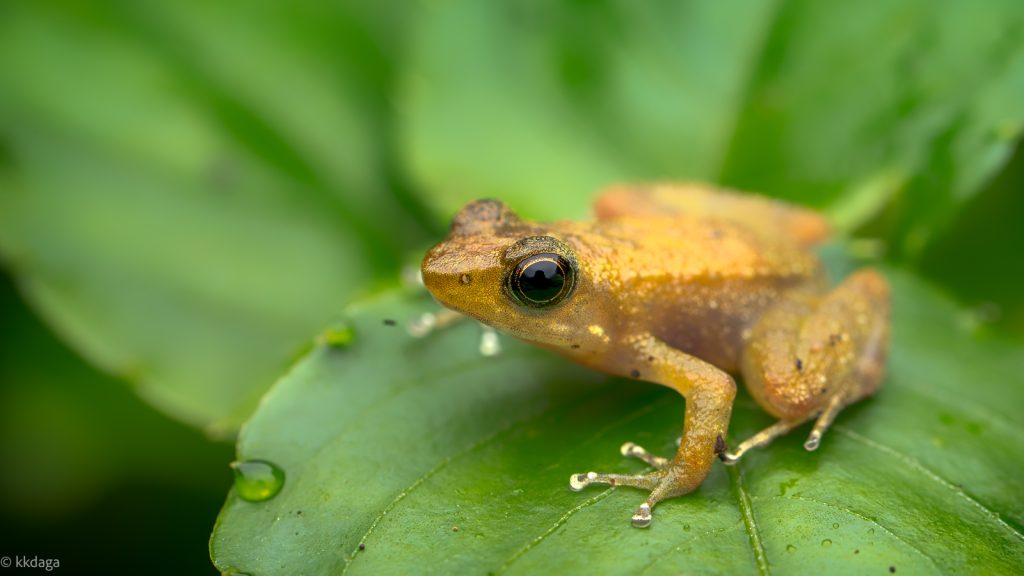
<point>92,475</point>
<point>189,190</point>
<point>841,105</point>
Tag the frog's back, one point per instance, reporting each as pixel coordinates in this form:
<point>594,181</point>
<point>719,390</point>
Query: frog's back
<point>687,249</point>
<point>697,282</point>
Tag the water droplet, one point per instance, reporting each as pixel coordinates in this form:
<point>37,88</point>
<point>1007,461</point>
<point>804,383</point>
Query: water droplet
<point>826,543</point>
<point>686,527</point>
<point>835,524</point>
<point>257,480</point>
<point>790,548</point>
<point>337,336</point>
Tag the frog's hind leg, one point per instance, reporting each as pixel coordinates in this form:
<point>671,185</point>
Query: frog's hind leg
<point>809,357</point>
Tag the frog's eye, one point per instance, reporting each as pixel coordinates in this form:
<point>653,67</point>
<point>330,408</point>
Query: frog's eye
<point>542,280</point>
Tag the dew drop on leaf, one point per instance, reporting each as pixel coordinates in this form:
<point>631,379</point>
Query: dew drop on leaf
<point>826,543</point>
<point>339,336</point>
<point>257,480</point>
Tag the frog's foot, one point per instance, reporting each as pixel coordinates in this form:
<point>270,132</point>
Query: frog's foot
<point>631,450</point>
<point>760,439</point>
<point>824,420</point>
<point>660,482</point>
<point>649,481</point>
<point>430,322</point>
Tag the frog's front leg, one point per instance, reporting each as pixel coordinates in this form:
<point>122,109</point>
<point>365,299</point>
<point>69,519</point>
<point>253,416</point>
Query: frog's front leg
<point>810,356</point>
<point>709,394</point>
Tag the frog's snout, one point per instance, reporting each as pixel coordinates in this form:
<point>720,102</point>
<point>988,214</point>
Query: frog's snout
<point>463,277</point>
<point>443,270</point>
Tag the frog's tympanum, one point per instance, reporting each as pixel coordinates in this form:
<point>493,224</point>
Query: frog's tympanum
<point>679,285</point>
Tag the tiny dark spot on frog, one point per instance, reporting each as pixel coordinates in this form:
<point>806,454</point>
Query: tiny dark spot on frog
<point>298,512</point>
<point>799,364</point>
<point>634,373</point>
<point>650,358</point>
<point>892,569</point>
<point>390,322</point>
<point>857,551</point>
<point>833,339</point>
<point>716,233</point>
<point>822,391</point>
<point>362,546</point>
<point>720,446</point>
<point>575,346</point>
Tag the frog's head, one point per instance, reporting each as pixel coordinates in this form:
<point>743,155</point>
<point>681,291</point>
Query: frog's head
<point>511,274</point>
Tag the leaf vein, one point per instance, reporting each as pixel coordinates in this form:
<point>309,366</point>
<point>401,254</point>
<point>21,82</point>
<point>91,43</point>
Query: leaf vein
<point>928,473</point>
<point>870,520</point>
<point>746,510</point>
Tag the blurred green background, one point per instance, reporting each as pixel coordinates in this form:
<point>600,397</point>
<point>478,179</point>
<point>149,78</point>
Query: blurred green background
<point>190,190</point>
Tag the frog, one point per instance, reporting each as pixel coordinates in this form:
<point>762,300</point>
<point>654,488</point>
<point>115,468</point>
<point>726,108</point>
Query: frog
<point>688,286</point>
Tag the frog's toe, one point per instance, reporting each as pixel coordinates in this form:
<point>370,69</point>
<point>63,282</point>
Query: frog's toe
<point>730,458</point>
<point>645,481</point>
<point>631,450</point>
<point>642,517</point>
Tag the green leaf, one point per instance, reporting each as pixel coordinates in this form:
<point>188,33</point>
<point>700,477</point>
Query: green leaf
<point>168,204</point>
<point>541,103</point>
<point>851,106</point>
<point>70,435</point>
<point>428,456</point>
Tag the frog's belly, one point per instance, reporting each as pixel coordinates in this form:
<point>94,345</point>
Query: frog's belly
<point>709,321</point>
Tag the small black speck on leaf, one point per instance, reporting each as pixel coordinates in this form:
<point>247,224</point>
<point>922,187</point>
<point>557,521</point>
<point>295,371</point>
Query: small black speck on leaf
<point>362,546</point>
<point>892,569</point>
<point>856,551</point>
<point>799,364</point>
<point>390,322</point>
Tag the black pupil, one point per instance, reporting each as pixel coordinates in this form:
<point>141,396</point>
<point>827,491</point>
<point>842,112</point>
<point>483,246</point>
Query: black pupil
<point>541,280</point>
